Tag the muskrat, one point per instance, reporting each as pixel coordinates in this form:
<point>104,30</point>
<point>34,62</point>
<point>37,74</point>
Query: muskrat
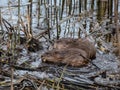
<point>70,56</point>
<point>116,51</point>
<point>83,44</point>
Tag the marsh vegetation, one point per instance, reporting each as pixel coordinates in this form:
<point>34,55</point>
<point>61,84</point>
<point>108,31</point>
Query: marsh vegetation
<point>31,28</point>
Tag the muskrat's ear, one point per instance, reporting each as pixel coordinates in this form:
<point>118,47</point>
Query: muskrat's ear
<point>46,53</point>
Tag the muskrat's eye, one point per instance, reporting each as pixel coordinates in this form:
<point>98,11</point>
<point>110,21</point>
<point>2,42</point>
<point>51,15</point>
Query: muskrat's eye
<point>42,56</point>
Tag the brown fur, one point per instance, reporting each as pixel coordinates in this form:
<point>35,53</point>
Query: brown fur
<point>83,44</point>
<point>70,56</point>
<point>116,51</point>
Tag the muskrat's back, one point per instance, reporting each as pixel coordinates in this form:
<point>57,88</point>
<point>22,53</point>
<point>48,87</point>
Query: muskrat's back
<point>83,44</point>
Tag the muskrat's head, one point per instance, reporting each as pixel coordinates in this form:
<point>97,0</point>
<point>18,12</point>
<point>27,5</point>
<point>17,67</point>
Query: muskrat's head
<point>52,56</point>
<point>46,56</point>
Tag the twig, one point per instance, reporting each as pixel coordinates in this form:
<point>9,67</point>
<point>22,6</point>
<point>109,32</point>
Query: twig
<point>87,59</point>
<point>60,79</point>
<point>12,71</point>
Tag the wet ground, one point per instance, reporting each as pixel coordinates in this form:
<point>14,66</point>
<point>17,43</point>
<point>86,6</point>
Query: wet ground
<point>102,72</point>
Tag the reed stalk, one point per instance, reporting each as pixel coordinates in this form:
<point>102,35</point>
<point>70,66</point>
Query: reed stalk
<point>18,21</point>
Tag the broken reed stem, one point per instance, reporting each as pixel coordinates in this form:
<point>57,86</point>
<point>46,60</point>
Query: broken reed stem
<point>63,4</point>
<point>56,17</point>
<point>12,71</point>
<point>66,7</point>
<point>54,14</point>
<point>85,4</point>
<point>116,21</point>
<point>18,21</point>
<point>38,6</point>
<point>73,10</point>
<point>29,22</point>
<point>70,7</point>
<point>92,4</point>
<point>1,20</point>
<point>59,9</point>
<point>48,19</point>
<point>29,19</point>
<point>59,26</point>
<point>51,23</point>
<point>46,4</point>
<point>30,13</point>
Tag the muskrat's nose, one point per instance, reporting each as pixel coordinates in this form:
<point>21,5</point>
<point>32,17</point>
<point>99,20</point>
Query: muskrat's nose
<point>43,58</point>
